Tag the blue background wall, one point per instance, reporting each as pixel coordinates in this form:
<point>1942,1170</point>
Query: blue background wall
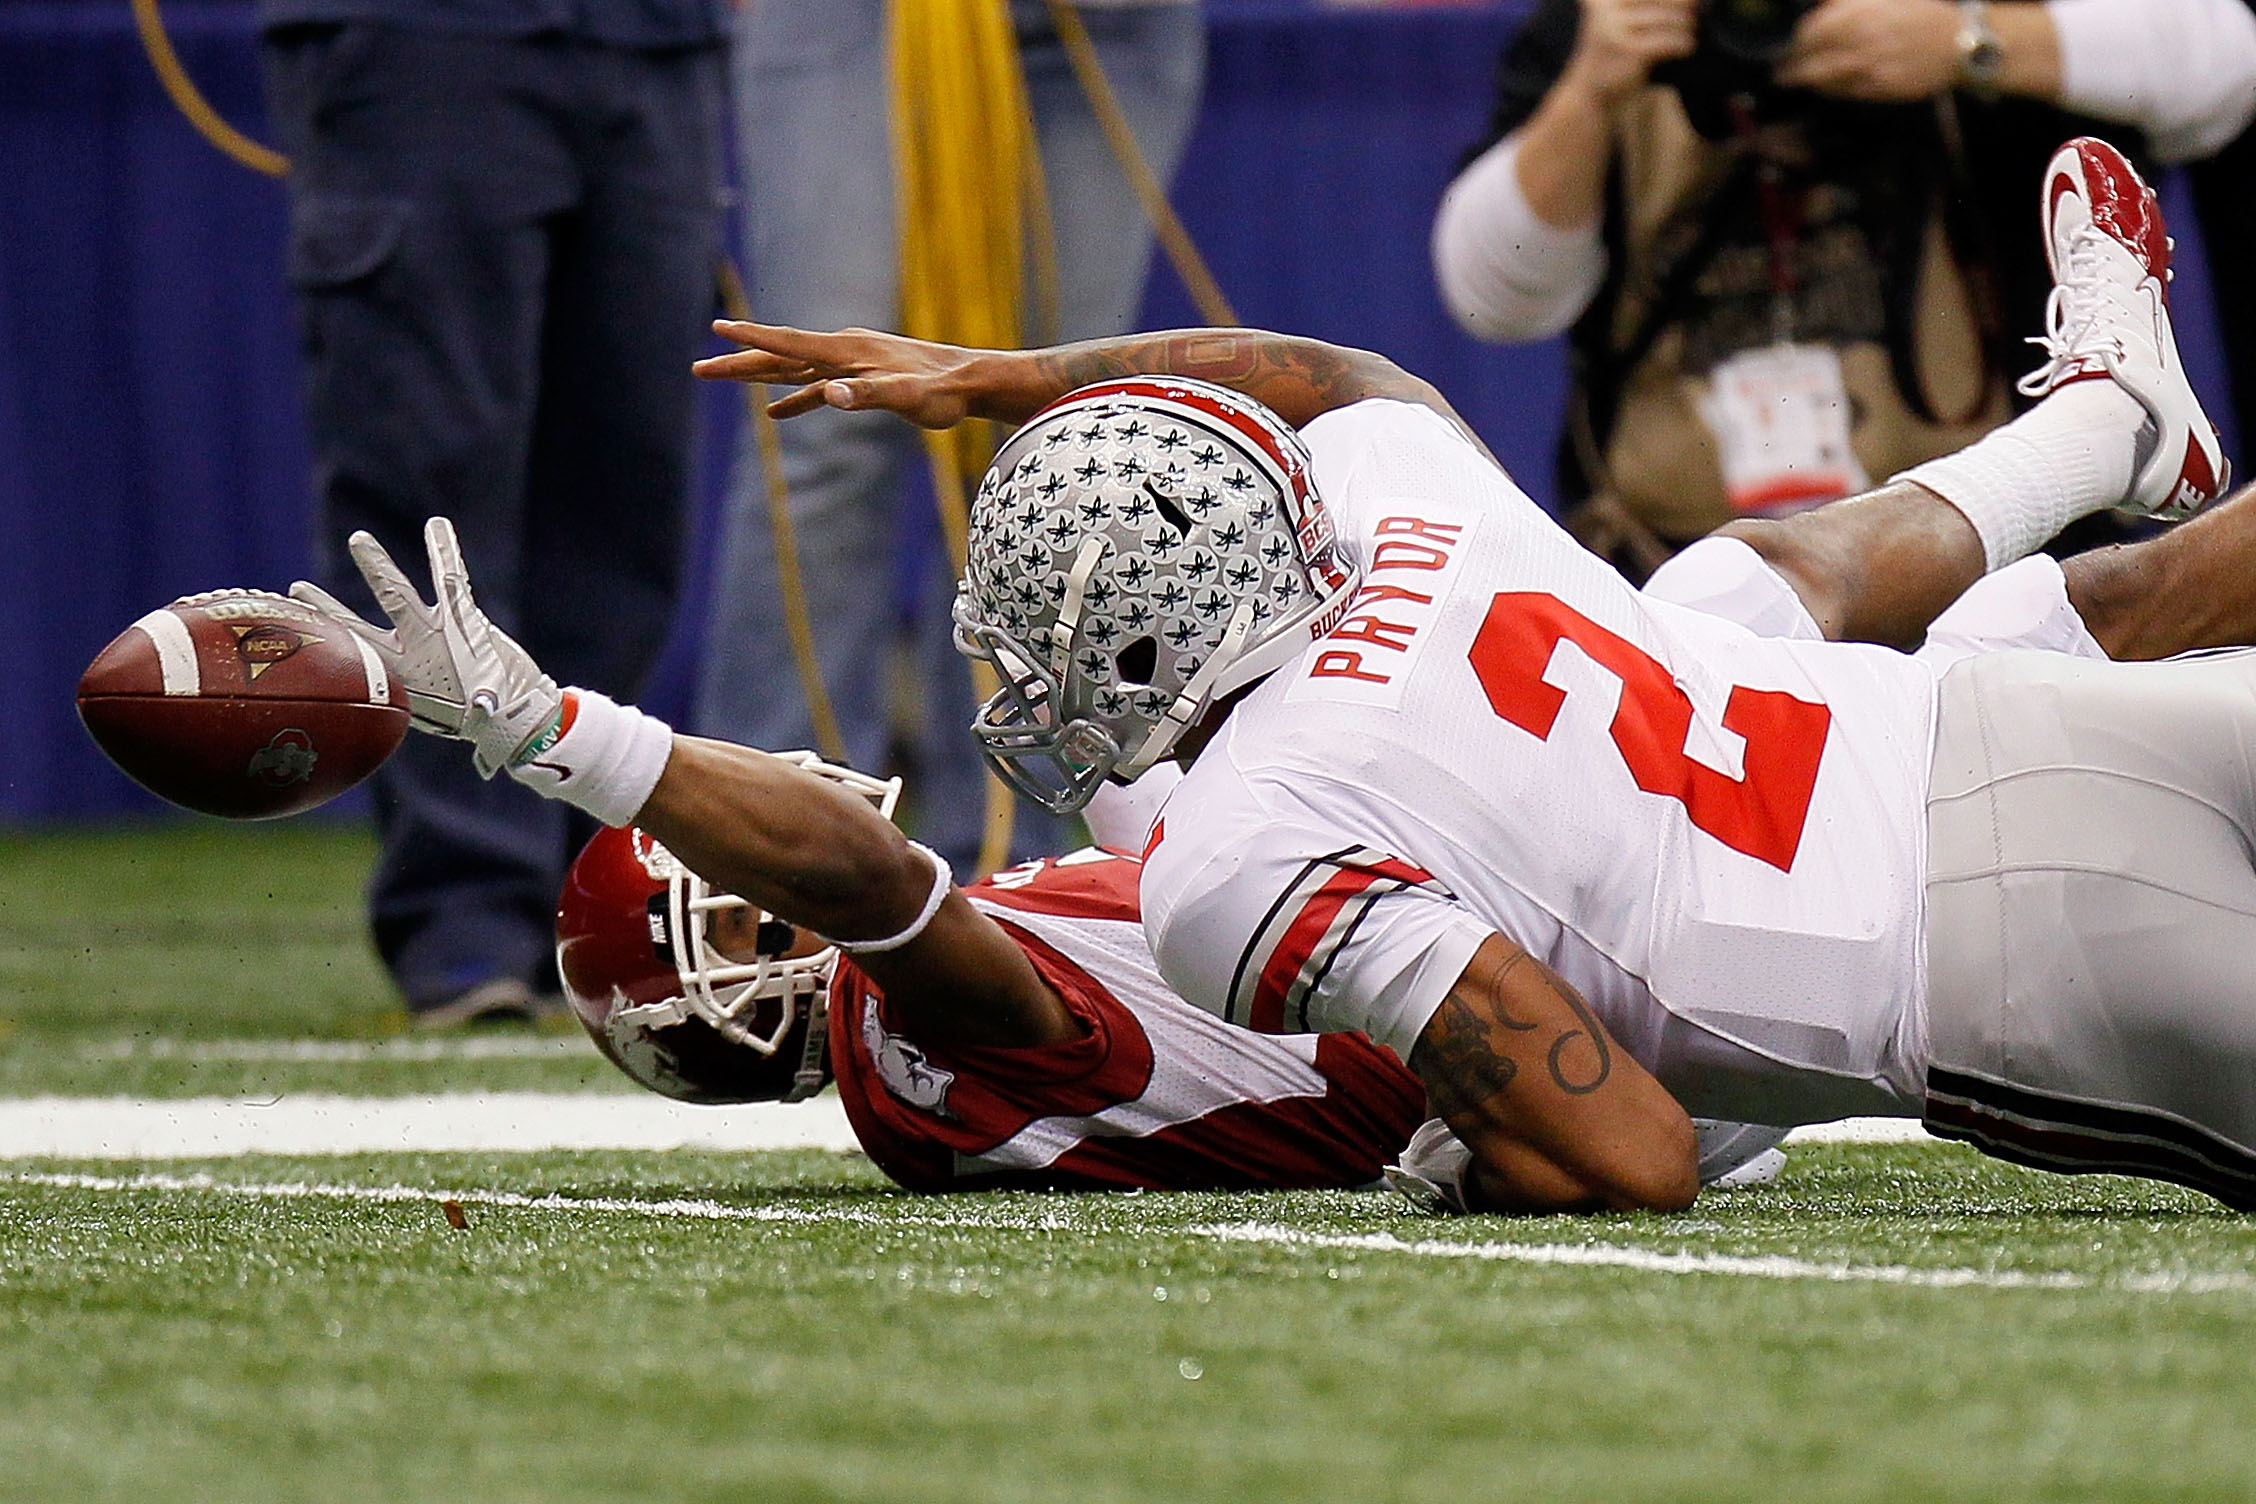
<point>149,420</point>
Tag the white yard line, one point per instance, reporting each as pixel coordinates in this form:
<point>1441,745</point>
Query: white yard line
<point>315,1123</point>
<point>1863,1131</point>
<point>305,1190</point>
<point>927,1212</point>
<point>1581,1255</point>
<point>488,1122</point>
<point>297,1190</point>
<point>1652,1261</point>
<point>340,1051</point>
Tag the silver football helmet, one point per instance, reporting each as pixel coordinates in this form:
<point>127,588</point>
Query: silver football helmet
<point>1140,549</point>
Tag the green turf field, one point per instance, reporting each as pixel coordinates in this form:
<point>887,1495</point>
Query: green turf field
<point>1886,1323</point>
<point>188,959</point>
<point>841,1342</point>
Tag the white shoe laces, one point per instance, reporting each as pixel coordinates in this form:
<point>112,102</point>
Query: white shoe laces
<point>2089,311</point>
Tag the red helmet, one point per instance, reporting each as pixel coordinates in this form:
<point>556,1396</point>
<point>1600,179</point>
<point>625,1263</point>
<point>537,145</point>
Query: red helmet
<point>694,993</point>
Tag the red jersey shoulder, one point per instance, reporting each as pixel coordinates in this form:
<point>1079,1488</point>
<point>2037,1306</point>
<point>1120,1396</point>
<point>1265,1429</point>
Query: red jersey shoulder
<point>916,1106</point>
<point>1092,883</point>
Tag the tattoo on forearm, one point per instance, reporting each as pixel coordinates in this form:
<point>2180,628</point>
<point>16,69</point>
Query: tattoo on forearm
<point>1591,1030</point>
<point>1298,377</point>
<point>1457,1059</point>
<point>1462,1057</point>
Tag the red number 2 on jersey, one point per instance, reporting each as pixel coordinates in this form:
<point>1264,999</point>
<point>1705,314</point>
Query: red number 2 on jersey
<point>1761,814</point>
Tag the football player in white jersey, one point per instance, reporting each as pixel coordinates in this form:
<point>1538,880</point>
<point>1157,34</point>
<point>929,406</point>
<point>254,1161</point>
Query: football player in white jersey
<point>1589,858</point>
<point>1012,1032</point>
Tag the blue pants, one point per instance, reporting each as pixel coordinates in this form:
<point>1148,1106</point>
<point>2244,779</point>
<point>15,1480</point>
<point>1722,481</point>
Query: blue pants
<point>503,252</point>
<point>812,98</point>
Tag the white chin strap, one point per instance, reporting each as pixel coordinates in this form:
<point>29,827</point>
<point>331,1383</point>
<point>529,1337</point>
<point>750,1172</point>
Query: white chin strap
<point>1069,610</point>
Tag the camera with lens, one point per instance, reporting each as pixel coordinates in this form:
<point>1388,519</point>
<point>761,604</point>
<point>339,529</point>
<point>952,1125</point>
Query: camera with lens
<point>1740,45</point>
<point>1750,31</point>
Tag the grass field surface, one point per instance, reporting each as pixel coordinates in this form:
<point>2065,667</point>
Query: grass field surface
<point>1884,1323</point>
<point>203,959</point>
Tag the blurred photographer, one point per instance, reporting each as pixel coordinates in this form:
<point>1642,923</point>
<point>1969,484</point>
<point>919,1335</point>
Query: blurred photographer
<point>1790,237</point>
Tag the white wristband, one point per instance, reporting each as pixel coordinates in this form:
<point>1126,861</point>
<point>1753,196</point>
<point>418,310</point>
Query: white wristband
<point>943,879</point>
<point>601,756</point>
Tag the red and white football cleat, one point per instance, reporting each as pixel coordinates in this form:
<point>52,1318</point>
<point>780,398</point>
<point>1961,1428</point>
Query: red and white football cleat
<point>2109,316</point>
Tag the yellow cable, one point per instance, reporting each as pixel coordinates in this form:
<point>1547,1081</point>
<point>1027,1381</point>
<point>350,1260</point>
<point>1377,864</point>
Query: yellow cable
<point>191,101</point>
<point>968,183</point>
<point>974,214</point>
<point>1088,68</point>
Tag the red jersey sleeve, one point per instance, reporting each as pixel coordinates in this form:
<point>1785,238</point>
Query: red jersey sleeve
<point>1154,1094</point>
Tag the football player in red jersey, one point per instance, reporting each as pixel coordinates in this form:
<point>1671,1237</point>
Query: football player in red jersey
<point>764,928</point>
<point>1021,1038</point>
<point>1463,789</point>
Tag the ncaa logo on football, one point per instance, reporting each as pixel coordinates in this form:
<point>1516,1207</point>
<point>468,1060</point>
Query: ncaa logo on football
<point>264,645</point>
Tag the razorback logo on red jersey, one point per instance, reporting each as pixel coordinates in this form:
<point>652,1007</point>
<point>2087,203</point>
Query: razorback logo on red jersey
<point>908,1073</point>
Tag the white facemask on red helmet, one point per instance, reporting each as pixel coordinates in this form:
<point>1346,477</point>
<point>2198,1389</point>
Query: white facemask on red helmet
<point>1139,550</point>
<point>695,993</point>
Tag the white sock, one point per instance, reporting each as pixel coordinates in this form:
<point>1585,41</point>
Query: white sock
<point>602,756</point>
<point>2067,457</point>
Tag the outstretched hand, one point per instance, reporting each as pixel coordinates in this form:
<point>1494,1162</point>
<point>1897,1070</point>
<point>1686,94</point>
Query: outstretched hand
<point>465,678</point>
<point>854,369</point>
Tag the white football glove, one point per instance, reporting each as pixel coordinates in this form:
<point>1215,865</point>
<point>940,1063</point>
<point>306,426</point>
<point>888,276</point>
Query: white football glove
<point>465,678</point>
<point>1431,1172</point>
<point>1738,1156</point>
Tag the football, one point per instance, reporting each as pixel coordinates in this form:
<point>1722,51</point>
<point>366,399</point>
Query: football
<point>243,704</point>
